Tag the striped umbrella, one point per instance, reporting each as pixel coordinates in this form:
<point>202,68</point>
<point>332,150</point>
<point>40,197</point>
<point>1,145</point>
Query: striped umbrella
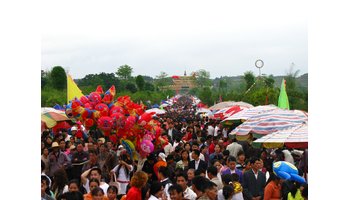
<point>51,116</point>
<point>247,113</point>
<point>227,104</point>
<point>269,122</point>
<point>226,112</point>
<point>296,137</point>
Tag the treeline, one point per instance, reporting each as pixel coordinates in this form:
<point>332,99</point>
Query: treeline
<point>251,89</point>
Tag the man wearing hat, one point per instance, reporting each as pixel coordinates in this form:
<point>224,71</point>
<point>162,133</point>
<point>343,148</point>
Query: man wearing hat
<point>57,159</point>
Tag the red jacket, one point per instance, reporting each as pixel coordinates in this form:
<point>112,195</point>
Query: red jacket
<point>134,193</point>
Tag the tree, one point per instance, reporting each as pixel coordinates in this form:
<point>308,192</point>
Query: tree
<point>203,78</point>
<point>124,72</point>
<point>140,82</point>
<point>59,78</point>
<point>131,87</point>
<point>44,79</point>
<point>249,79</point>
<point>222,85</point>
<point>162,79</point>
<point>205,95</point>
<point>149,86</point>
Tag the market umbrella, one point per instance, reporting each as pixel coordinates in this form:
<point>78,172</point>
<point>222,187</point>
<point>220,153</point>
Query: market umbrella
<point>203,110</point>
<point>226,112</point>
<point>51,116</point>
<point>245,114</point>
<point>156,110</point>
<point>269,122</point>
<point>295,137</point>
<point>226,104</point>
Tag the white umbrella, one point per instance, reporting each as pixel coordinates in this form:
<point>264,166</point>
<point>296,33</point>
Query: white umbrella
<point>156,110</point>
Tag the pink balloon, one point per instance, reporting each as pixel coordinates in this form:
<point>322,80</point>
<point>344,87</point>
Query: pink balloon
<point>147,146</point>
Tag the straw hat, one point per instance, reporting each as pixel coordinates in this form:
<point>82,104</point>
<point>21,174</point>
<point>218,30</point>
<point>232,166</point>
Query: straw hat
<point>55,144</point>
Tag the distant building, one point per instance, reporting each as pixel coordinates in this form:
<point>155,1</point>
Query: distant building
<point>182,84</point>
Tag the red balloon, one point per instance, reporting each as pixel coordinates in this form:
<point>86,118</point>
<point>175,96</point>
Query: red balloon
<point>116,109</point>
<point>88,123</point>
<point>118,119</point>
<point>130,121</point>
<point>103,108</point>
<point>145,118</point>
<point>105,123</point>
<point>94,98</point>
<point>84,99</point>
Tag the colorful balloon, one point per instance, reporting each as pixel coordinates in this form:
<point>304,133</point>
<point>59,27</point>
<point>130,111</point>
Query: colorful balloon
<point>287,171</point>
<point>103,108</point>
<point>105,124</point>
<point>147,146</point>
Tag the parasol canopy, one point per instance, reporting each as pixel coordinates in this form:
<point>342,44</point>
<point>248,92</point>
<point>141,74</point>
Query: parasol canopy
<point>269,122</point>
<point>296,137</point>
<point>226,104</point>
<point>51,116</point>
<point>248,113</point>
<point>156,110</point>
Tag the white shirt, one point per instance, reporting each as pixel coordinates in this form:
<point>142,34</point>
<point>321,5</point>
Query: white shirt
<point>167,149</point>
<point>255,174</point>
<point>224,133</point>
<point>122,177</point>
<point>166,188</point>
<point>238,196</point>
<point>153,198</point>
<point>196,164</point>
<point>288,156</point>
<point>211,130</point>
<point>189,194</point>
<point>216,130</point>
<point>234,148</point>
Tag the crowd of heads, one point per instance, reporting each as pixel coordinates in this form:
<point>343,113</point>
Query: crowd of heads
<point>198,157</point>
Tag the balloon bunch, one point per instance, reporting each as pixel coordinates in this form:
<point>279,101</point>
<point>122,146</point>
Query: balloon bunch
<point>118,119</point>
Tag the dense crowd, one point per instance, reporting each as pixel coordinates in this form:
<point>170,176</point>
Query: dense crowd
<point>200,161</point>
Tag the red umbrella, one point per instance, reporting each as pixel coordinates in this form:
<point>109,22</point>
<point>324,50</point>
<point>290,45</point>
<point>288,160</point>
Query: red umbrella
<point>61,125</point>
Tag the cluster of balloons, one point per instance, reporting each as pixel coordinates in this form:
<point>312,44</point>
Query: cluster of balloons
<point>118,119</point>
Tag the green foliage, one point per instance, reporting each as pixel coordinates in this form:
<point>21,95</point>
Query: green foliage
<point>205,95</point>
<point>131,87</point>
<point>59,78</point>
<point>203,78</point>
<point>249,79</point>
<point>149,87</point>
<point>140,82</point>
<point>44,79</point>
<point>50,97</point>
<point>124,72</point>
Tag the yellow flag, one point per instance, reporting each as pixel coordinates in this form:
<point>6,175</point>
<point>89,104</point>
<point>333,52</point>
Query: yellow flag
<point>72,89</point>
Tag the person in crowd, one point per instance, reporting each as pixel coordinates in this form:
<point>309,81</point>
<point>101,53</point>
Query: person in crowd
<point>98,194</point>
<point>199,185</point>
<point>273,188</point>
<point>254,181</point>
<point>44,174</point>
<point>204,152</point>
<point>182,180</point>
<point>163,174</point>
<point>93,183</point>
<point>197,163</point>
<point>213,143</point>
<point>234,148</point>
<point>188,147</point>
<point>156,191</point>
<point>171,166</point>
<point>123,173</point>
<point>75,195</point>
<point>45,159</point>
<point>46,194</point>
<point>161,161</point>
<point>176,192</point>
<point>73,185</point>
<point>57,159</point>
<point>263,169</point>
<point>304,193</point>
<point>60,181</point>
<point>138,181</point>
<point>231,163</point>
<point>185,160</point>
<point>112,192</point>
<point>93,161</point>
<point>195,146</point>
<point>211,191</point>
<point>103,154</point>
<point>212,173</point>
<point>295,192</point>
<point>190,176</point>
<point>240,160</point>
<point>148,167</point>
<point>93,173</point>
<point>216,155</point>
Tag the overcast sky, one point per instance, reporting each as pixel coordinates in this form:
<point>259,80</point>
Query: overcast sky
<point>153,36</point>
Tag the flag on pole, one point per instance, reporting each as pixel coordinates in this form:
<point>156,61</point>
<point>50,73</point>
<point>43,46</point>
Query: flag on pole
<point>72,89</point>
<point>283,98</point>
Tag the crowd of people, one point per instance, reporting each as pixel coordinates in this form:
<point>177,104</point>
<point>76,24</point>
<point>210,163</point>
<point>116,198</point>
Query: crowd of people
<point>201,161</point>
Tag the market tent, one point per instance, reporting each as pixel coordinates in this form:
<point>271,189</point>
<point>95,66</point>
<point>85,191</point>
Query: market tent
<point>295,137</point>
<point>269,122</point>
